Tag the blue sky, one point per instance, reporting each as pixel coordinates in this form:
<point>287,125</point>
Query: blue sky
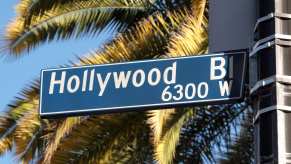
<point>18,73</point>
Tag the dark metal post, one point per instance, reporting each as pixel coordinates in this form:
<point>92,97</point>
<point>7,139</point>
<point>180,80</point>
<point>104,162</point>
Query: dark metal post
<point>270,78</point>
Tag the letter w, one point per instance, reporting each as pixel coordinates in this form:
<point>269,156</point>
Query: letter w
<point>225,87</point>
<point>121,79</point>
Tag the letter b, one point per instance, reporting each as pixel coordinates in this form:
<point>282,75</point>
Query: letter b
<point>217,68</point>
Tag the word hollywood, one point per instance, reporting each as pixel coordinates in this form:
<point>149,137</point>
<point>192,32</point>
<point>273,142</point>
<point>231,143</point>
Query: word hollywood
<point>142,84</point>
<point>121,79</point>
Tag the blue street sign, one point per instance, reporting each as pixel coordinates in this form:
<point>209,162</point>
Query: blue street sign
<point>195,80</point>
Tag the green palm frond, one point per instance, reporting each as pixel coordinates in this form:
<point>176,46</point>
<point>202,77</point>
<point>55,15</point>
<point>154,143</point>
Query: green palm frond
<point>165,148</point>
<point>62,130</point>
<point>7,126</point>
<point>190,40</point>
<point>172,4</point>
<point>157,120</point>
<point>146,40</point>
<point>199,11</point>
<point>23,7</point>
<point>100,139</point>
<point>210,127</point>
<point>28,8</point>
<point>17,109</point>
<point>18,128</point>
<point>27,133</point>
<point>5,144</point>
<point>122,147</point>
<point>20,124</point>
<point>8,123</point>
<point>242,149</point>
<point>72,19</point>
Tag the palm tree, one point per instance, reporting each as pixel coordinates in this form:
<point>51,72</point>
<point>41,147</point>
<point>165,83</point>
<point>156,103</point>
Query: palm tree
<point>146,29</point>
<point>242,149</point>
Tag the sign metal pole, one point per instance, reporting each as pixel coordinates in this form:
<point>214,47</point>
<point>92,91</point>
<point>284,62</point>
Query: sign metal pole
<point>270,79</point>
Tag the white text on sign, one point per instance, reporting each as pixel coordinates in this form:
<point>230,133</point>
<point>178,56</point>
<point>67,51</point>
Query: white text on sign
<point>71,84</point>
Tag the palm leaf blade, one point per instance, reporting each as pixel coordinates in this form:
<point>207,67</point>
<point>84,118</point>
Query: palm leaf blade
<point>70,20</point>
